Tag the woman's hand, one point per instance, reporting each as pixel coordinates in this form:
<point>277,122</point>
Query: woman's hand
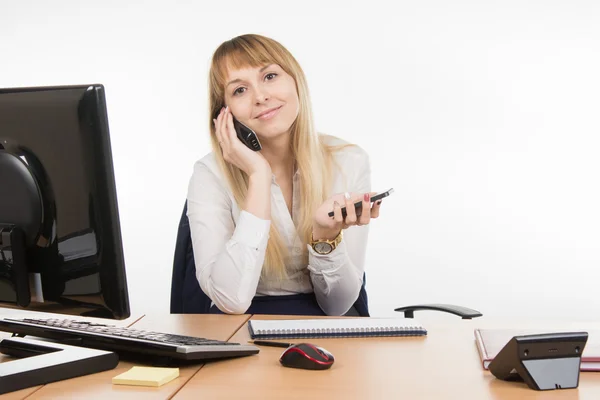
<point>236,152</point>
<point>326,227</point>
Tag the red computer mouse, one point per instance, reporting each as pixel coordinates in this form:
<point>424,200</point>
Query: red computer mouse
<point>306,356</point>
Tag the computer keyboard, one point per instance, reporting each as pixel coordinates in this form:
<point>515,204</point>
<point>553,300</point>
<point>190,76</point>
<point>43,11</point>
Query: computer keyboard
<point>124,340</point>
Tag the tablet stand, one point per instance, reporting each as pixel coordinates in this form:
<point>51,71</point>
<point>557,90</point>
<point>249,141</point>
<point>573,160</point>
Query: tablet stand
<point>546,361</point>
<point>42,362</point>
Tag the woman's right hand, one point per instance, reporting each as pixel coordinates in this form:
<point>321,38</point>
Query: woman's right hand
<point>236,152</point>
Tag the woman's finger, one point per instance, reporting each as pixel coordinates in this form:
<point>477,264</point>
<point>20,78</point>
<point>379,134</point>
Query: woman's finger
<point>350,211</point>
<point>229,128</point>
<point>218,131</point>
<point>224,135</point>
<point>365,215</point>
<point>337,213</point>
<point>375,209</point>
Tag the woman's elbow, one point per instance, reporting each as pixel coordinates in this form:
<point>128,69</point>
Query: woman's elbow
<point>335,310</point>
<point>337,304</point>
<point>234,309</point>
<point>337,307</point>
<point>230,305</point>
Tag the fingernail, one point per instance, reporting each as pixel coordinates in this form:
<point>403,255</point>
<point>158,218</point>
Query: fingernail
<point>226,108</point>
<point>379,202</point>
<point>335,203</point>
<point>367,196</point>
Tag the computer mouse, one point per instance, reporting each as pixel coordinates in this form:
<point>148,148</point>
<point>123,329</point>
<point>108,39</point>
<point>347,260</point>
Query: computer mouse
<point>306,356</point>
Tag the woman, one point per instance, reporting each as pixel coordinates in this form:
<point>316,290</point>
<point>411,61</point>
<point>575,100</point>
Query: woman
<point>259,220</point>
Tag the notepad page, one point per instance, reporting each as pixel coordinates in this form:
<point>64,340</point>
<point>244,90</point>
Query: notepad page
<point>335,324</point>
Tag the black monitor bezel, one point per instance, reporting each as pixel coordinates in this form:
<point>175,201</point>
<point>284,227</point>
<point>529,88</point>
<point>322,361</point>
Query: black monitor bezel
<point>114,284</point>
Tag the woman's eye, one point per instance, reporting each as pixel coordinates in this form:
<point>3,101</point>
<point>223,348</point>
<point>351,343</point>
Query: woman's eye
<point>239,90</point>
<point>272,75</point>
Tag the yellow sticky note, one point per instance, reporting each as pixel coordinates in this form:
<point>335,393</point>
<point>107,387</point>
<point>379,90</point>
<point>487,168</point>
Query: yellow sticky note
<point>146,376</point>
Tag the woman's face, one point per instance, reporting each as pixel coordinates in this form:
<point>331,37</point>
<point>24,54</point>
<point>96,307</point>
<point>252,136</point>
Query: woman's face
<point>263,98</point>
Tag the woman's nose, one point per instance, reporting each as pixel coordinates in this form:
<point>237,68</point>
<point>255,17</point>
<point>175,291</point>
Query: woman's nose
<point>261,96</point>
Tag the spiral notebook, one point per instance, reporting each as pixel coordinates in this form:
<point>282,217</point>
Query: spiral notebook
<point>334,327</point>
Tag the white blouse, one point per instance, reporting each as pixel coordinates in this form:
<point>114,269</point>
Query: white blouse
<point>229,244</point>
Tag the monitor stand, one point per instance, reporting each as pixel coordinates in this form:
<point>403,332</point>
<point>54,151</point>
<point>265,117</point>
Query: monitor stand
<point>40,362</point>
<point>12,238</point>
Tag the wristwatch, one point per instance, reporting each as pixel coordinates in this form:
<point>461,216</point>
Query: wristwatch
<point>324,246</point>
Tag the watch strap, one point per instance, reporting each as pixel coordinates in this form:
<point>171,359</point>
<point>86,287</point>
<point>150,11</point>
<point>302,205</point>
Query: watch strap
<point>332,242</point>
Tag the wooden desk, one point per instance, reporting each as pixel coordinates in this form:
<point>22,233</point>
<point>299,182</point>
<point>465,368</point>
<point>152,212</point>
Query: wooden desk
<point>99,386</point>
<point>443,365</point>
<point>16,312</point>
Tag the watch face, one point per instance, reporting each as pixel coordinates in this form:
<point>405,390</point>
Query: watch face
<point>323,248</point>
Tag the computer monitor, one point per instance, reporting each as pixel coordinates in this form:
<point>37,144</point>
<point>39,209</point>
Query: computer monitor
<point>60,238</point>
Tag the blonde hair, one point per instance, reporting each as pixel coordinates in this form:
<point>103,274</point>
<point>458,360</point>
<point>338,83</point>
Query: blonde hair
<point>313,157</point>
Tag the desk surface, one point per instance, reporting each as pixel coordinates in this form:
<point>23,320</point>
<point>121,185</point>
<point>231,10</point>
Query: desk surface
<point>445,364</point>
<point>15,312</point>
<point>99,386</point>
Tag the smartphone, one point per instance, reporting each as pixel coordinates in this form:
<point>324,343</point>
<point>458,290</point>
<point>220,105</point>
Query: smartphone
<point>246,135</point>
<point>358,204</point>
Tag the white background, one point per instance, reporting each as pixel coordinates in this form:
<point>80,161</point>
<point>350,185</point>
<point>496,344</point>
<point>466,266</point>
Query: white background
<point>483,115</point>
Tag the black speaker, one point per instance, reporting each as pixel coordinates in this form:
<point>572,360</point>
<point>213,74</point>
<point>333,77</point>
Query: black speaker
<point>544,361</point>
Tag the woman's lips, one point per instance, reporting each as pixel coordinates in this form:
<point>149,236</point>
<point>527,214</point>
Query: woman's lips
<point>270,114</point>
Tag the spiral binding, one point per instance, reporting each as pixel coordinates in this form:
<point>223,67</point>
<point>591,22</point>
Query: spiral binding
<point>386,330</point>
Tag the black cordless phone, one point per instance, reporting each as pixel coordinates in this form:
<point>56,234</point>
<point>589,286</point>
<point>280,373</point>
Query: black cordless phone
<point>358,204</point>
<point>246,135</point>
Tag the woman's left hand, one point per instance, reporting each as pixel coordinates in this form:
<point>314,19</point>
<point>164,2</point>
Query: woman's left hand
<point>326,227</point>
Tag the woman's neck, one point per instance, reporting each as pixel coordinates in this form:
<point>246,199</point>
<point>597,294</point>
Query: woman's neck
<point>278,152</point>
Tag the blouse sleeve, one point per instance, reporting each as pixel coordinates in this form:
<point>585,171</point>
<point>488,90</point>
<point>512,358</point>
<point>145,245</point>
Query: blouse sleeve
<point>338,276</point>
<point>228,258</point>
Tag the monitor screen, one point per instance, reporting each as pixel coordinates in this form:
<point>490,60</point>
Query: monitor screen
<point>60,242</point>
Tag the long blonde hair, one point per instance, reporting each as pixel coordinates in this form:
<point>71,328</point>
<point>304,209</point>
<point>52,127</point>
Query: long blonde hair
<point>313,157</point>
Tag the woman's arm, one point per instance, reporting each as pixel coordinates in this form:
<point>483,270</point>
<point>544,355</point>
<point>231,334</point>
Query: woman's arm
<point>338,276</point>
<point>258,199</point>
<point>228,258</point>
